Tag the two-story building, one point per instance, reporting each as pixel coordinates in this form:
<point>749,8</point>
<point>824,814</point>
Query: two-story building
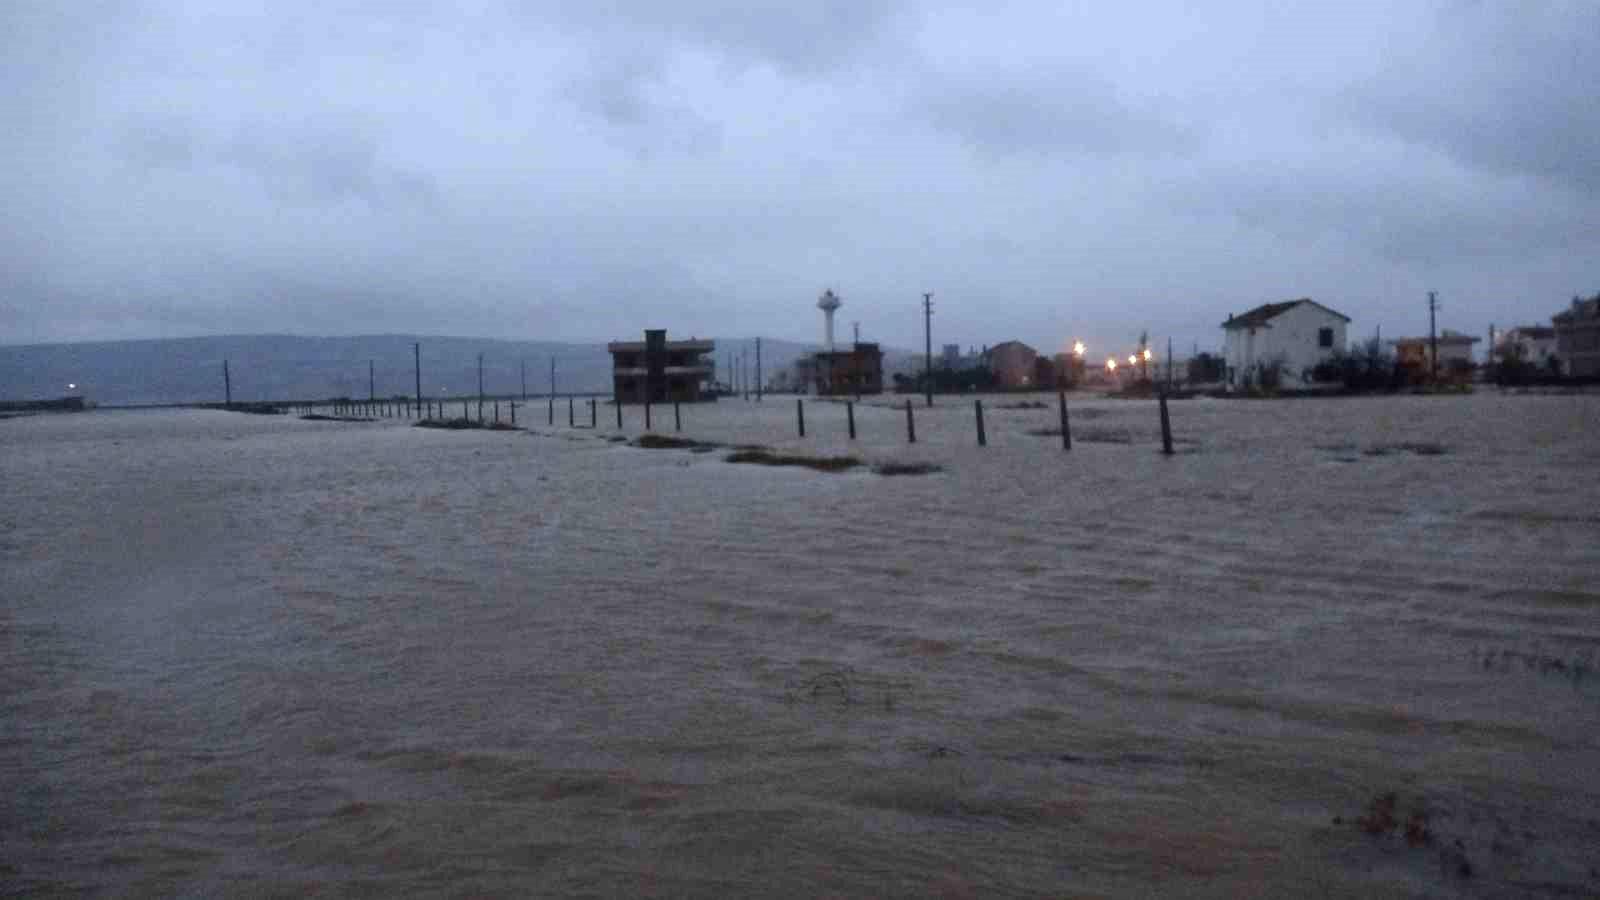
<point>1578,338</point>
<point>1291,338</point>
<point>1013,364</point>
<point>858,370</point>
<point>656,370</point>
<point>1531,344</point>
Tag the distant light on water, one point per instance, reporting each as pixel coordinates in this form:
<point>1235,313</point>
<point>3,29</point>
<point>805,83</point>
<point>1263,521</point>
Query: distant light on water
<point>72,387</point>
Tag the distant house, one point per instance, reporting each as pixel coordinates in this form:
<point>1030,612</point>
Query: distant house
<point>1013,366</point>
<point>1532,344</point>
<point>858,370</point>
<point>1578,337</point>
<point>1292,337</point>
<point>1455,351</point>
<point>656,370</point>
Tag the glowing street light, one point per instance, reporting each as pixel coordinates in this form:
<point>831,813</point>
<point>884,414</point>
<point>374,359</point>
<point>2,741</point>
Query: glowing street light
<point>1133,360</point>
<point>1078,349</point>
<point>1111,365</point>
<point>1147,354</point>
<point>72,386</point>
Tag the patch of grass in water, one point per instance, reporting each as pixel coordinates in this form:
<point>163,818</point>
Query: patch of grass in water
<point>907,468</point>
<point>765,457</point>
<point>667,442</point>
<point>256,409</point>
<point>465,424</point>
<point>1088,435</point>
<point>1415,448</point>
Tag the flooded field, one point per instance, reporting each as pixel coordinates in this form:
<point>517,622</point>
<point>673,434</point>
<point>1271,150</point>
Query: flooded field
<point>246,655</point>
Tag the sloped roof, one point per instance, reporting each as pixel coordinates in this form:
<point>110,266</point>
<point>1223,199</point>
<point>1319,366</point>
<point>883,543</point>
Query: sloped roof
<point>1531,332</point>
<point>1020,344</point>
<point>1261,315</point>
<point>1581,309</point>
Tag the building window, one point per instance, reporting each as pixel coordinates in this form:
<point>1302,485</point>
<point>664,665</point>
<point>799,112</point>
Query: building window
<point>1325,337</point>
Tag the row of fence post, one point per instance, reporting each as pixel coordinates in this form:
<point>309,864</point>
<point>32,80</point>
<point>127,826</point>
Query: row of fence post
<point>977,409</point>
<point>426,408</point>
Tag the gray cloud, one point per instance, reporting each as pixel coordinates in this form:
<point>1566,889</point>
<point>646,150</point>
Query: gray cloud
<point>1507,88</point>
<point>1061,109</point>
<point>573,171</point>
<point>800,38</point>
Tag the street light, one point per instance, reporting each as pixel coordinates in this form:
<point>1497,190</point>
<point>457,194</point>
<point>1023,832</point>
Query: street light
<point>1111,366</point>
<point>1078,349</point>
<point>1133,360</point>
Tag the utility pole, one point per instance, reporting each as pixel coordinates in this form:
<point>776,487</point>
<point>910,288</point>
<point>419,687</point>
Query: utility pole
<point>857,327</point>
<point>758,370</point>
<point>1433,337</point>
<point>372,384</point>
<point>552,377</point>
<point>927,343</point>
<point>1169,365</point>
<point>523,369</point>
<point>480,387</point>
<point>416,351</point>
<point>227,385</point>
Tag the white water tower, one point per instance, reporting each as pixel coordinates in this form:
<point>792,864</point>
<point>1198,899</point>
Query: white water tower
<point>829,304</point>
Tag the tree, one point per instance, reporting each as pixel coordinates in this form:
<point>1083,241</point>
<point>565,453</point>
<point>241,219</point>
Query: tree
<point>1205,369</point>
<point>1044,374</point>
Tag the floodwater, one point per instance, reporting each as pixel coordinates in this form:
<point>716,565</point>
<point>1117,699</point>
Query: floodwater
<point>260,656</point>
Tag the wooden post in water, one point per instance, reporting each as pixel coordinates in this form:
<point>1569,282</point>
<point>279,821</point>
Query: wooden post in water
<point>227,386</point>
<point>977,406</point>
<point>647,414</point>
<point>594,412</point>
<point>416,356</point>
<point>572,413</point>
<point>619,413</point>
<point>1066,427</point>
<point>1166,427</point>
<point>513,413</point>
<point>677,417</point>
<point>911,424</point>
<point>466,412</point>
<point>800,415</point>
<point>497,412</point>
<point>850,416</point>
<point>552,410</point>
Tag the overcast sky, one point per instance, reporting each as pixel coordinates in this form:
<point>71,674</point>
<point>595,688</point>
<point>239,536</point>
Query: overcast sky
<point>581,170</point>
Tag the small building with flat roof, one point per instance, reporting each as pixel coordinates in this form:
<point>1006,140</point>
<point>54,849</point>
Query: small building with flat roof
<point>656,370</point>
<point>858,370</point>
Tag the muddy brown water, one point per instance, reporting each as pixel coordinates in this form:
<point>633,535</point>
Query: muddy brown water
<point>245,655</point>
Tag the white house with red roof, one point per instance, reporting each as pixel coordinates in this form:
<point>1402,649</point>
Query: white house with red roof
<point>1295,335</point>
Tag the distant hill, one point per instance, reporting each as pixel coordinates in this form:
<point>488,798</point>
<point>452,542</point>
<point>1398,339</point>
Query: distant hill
<point>284,367</point>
